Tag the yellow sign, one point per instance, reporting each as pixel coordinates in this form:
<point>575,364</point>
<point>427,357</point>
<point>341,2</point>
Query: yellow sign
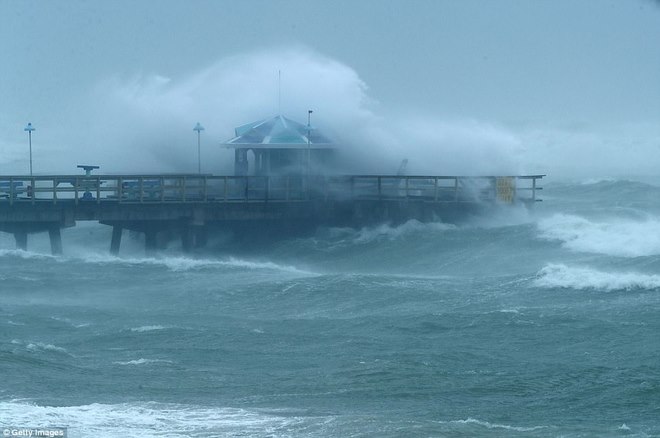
<point>506,189</point>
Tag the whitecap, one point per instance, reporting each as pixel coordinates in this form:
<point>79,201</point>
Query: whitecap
<point>151,419</point>
<point>182,264</point>
<point>614,237</point>
<point>25,254</point>
<point>142,361</point>
<point>387,231</point>
<point>40,346</point>
<point>562,276</point>
<point>148,328</point>
<point>489,425</point>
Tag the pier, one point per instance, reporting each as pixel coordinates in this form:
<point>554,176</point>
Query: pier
<point>186,206</point>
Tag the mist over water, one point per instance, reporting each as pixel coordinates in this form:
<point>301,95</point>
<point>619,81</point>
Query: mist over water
<point>417,329</point>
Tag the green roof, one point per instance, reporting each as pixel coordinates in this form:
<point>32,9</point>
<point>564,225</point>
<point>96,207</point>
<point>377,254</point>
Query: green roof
<point>277,132</point>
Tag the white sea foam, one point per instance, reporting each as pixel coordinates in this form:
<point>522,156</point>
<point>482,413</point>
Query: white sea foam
<point>616,237</point>
<point>562,276</point>
<point>148,328</point>
<point>142,361</point>
<point>148,420</point>
<point>387,231</point>
<point>40,346</point>
<point>489,425</point>
<point>24,254</point>
<point>181,264</point>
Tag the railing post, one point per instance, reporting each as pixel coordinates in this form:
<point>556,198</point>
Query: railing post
<point>162,189</point>
<point>406,186</point>
<point>76,182</point>
<point>34,187</point>
<point>456,189</point>
<point>120,188</point>
<point>141,186</point>
<point>183,189</point>
<point>98,189</point>
<point>54,190</point>
<point>534,189</point>
<point>435,196</point>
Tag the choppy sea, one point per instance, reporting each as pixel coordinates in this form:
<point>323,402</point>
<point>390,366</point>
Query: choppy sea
<point>540,323</point>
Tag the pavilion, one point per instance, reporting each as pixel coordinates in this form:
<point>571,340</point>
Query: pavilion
<point>279,146</point>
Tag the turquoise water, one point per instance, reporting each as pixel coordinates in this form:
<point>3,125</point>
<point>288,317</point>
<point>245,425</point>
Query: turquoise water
<point>541,323</point>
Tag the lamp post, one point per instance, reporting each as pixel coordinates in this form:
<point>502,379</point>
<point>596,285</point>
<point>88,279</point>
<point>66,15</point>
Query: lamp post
<point>29,128</point>
<point>199,128</point>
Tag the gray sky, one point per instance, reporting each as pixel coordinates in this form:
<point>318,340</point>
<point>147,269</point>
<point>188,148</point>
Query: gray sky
<point>522,65</point>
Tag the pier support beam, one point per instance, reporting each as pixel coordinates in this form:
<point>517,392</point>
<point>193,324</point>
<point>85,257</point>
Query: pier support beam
<point>21,240</point>
<point>115,243</point>
<point>55,240</point>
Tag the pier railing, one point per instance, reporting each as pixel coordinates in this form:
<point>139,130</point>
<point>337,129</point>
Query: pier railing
<point>179,188</point>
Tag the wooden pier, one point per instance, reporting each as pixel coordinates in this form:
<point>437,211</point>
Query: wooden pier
<point>187,205</point>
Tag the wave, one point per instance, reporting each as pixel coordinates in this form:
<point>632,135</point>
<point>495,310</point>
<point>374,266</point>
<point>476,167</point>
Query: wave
<point>142,361</point>
<point>562,276</point>
<point>148,328</point>
<point>151,419</point>
<point>388,232</point>
<point>617,237</point>
<point>25,254</point>
<point>489,425</point>
<point>172,263</point>
<point>40,347</point>
<point>180,264</point>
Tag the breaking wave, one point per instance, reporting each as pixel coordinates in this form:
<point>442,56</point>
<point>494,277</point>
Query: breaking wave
<point>142,361</point>
<point>148,328</point>
<point>562,276</point>
<point>150,420</point>
<point>488,425</point>
<point>618,237</point>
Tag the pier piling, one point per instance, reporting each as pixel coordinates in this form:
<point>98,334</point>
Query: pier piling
<point>115,243</point>
<point>21,238</point>
<point>55,240</point>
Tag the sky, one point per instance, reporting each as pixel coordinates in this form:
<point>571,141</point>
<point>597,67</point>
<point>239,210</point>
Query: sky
<point>564,88</point>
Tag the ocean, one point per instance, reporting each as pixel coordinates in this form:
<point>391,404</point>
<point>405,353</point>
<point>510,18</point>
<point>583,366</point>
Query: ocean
<point>542,323</point>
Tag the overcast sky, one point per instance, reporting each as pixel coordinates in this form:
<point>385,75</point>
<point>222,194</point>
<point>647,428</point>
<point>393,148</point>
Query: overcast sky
<point>515,64</point>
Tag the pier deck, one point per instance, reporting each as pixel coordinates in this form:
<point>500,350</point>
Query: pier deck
<point>188,204</point>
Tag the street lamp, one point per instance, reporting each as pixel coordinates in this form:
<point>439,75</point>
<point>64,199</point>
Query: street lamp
<point>29,128</point>
<point>199,128</point>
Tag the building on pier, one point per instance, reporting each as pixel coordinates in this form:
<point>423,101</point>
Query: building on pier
<point>279,146</point>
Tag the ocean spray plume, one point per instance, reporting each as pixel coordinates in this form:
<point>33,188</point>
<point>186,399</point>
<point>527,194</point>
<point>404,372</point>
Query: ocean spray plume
<point>143,123</point>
